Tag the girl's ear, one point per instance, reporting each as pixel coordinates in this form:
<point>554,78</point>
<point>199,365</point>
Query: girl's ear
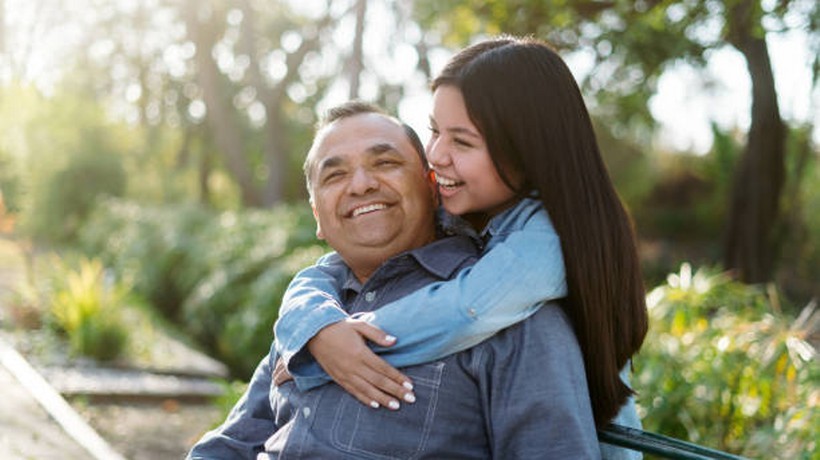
<point>319,233</point>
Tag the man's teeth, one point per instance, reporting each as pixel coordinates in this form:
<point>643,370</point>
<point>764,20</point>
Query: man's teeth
<point>368,208</point>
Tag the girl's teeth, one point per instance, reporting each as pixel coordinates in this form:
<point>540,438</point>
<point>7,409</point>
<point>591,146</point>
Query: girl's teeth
<point>444,182</point>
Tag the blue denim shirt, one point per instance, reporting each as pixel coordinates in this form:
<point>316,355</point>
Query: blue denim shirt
<point>520,394</point>
<point>522,249</point>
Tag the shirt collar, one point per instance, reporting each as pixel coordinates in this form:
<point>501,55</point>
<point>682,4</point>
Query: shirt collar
<point>508,219</point>
<point>441,258</point>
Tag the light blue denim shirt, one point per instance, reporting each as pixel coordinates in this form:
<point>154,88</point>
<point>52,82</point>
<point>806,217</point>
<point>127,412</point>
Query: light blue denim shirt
<point>521,266</point>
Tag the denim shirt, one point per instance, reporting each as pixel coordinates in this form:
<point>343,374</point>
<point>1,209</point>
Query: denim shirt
<point>522,249</point>
<point>520,394</point>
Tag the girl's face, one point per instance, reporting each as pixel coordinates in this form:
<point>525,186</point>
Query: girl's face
<point>467,179</point>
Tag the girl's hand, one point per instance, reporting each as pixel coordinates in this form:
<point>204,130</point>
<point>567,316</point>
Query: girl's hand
<point>280,373</point>
<point>342,352</point>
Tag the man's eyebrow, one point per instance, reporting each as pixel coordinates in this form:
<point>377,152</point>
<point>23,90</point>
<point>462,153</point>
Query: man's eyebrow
<point>380,148</point>
<point>328,162</point>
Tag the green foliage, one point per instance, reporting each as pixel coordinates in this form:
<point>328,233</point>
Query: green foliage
<point>628,166</point>
<point>153,248</point>
<point>722,366</point>
<point>686,201</point>
<point>10,184</point>
<point>799,234</point>
<point>230,394</point>
<point>86,307</point>
<point>220,276</point>
<point>62,194</point>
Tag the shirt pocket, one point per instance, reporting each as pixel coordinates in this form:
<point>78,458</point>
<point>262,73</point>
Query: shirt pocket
<point>386,434</point>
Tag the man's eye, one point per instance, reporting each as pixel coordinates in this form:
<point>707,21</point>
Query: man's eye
<point>433,131</point>
<point>386,162</point>
<point>332,176</point>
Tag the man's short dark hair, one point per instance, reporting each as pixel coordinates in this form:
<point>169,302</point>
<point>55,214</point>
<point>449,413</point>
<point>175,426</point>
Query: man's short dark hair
<point>351,108</point>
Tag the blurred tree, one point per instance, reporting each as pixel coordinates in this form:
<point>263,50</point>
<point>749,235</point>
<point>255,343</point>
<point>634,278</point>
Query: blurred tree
<point>356,61</point>
<point>221,95</point>
<point>203,26</point>
<point>633,43</point>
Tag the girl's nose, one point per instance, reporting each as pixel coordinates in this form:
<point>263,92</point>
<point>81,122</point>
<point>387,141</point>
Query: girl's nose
<point>436,153</point>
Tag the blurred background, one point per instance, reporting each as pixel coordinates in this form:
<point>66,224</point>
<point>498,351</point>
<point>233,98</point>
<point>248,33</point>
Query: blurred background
<point>151,151</point>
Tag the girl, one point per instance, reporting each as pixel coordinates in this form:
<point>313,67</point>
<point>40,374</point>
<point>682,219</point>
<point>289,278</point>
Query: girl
<point>511,144</point>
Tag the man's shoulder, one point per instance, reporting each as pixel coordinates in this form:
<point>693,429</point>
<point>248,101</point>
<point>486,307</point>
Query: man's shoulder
<point>548,326</point>
<point>445,256</point>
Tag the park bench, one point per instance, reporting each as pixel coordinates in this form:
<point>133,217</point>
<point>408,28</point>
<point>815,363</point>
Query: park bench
<point>659,445</point>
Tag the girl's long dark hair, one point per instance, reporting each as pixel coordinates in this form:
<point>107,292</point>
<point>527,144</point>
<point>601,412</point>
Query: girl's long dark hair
<point>524,100</point>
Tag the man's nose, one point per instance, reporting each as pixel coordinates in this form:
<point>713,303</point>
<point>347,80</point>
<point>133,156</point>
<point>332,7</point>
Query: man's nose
<point>362,182</point>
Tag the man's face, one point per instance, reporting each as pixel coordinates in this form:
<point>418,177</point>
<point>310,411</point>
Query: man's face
<point>372,197</point>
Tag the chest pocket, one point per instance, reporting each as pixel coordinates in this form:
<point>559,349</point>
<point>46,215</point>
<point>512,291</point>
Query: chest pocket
<point>386,434</point>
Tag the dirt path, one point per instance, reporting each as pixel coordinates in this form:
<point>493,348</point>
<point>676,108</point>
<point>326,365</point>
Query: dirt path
<point>151,428</point>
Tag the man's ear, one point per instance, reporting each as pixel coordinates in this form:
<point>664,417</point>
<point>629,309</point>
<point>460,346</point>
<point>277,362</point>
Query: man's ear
<point>319,233</point>
<point>431,179</point>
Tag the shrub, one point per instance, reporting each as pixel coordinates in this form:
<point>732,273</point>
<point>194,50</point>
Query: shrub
<point>85,306</point>
<point>60,201</point>
<point>219,276</point>
<point>724,367</point>
<point>157,250</point>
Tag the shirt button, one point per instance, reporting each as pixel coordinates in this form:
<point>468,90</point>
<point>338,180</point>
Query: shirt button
<point>471,312</point>
<point>370,296</point>
<point>306,412</point>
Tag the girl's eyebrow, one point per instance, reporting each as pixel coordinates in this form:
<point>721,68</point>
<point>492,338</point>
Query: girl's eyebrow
<point>463,131</point>
<point>457,129</point>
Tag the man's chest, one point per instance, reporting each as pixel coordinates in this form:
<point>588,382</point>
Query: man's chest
<point>445,421</point>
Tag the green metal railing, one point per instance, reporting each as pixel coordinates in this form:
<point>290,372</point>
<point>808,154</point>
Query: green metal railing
<point>659,445</point>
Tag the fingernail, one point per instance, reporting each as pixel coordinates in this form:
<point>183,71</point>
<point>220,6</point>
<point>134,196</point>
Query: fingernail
<point>389,338</point>
<point>407,385</point>
<point>410,397</point>
<point>374,404</point>
<point>393,405</point>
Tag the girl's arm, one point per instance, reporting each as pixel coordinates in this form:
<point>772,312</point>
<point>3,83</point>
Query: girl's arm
<point>312,324</point>
<point>309,304</point>
<point>504,287</point>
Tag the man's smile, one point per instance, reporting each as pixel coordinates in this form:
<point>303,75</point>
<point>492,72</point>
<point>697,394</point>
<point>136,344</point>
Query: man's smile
<point>366,209</point>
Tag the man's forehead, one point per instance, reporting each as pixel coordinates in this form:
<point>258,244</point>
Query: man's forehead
<point>368,133</point>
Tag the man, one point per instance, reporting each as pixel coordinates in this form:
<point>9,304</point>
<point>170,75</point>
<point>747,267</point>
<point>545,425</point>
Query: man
<point>520,394</point>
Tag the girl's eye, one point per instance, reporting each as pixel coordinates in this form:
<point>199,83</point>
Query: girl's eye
<point>462,142</point>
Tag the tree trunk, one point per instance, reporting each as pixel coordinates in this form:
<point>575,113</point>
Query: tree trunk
<point>276,145</point>
<point>758,181</point>
<point>2,28</point>
<point>357,56</point>
<point>221,118</point>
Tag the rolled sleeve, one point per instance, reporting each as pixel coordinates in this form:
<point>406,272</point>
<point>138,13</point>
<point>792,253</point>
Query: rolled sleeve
<point>309,305</point>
